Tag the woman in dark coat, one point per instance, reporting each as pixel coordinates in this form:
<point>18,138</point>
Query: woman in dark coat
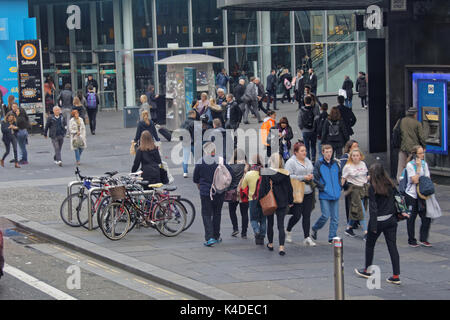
<point>361,88</point>
<point>285,133</point>
<point>285,75</point>
<point>146,124</point>
<point>148,158</point>
<point>9,130</point>
<point>334,132</point>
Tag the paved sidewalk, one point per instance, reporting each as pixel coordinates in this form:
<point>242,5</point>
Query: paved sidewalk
<point>236,268</point>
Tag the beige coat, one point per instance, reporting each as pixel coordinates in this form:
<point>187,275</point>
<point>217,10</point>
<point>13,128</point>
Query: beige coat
<point>73,129</point>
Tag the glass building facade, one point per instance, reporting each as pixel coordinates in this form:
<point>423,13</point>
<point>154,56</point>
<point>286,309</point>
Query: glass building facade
<point>119,42</point>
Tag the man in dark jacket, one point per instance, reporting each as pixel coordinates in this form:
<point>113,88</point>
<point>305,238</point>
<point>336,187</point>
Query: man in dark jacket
<point>151,99</point>
<point>211,209</point>
<point>348,87</point>
<point>299,88</point>
<point>57,126</point>
<point>312,81</point>
<point>261,95</point>
<point>347,115</point>
<point>361,88</point>
<point>327,176</point>
<point>233,113</point>
<point>22,135</point>
<point>271,87</point>
<point>92,82</point>
<point>239,91</point>
<point>65,101</point>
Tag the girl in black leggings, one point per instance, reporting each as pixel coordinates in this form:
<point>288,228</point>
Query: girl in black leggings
<point>382,220</point>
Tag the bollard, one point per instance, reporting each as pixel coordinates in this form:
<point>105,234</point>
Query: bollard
<point>338,268</point>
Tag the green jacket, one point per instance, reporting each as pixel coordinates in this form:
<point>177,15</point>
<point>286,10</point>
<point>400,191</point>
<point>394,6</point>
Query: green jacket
<point>412,134</point>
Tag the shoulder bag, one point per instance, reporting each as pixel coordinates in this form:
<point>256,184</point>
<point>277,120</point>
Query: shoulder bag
<point>268,202</point>
<point>299,190</point>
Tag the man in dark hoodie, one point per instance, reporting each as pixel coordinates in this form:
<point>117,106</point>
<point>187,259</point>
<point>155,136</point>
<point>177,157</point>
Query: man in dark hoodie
<point>361,88</point>
<point>348,87</point>
<point>347,115</point>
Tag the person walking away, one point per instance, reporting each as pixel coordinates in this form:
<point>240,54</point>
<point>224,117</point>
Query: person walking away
<point>238,92</point>
<point>144,105</point>
<point>9,131</point>
<point>222,80</point>
<point>251,99</point>
<point>23,124</point>
<point>277,178</point>
<point>151,100</point>
<point>361,88</point>
<point>249,183</point>
<point>268,124</point>
<point>382,220</point>
<point>271,88</point>
<point>319,122</point>
<point>315,100</point>
<point>285,135</point>
<point>56,130</point>
<point>334,132</point>
<point>81,111</point>
<point>77,131</point>
<point>327,176</point>
<point>239,168</point>
<point>299,88</point>
<point>77,105</point>
<point>233,113</point>
<point>417,167</point>
<point>306,121</point>
<point>65,102</point>
<point>286,81</point>
<point>143,125</point>
<point>412,134</point>
<point>347,116</point>
<point>312,81</point>
<point>301,169</point>
<point>211,205</point>
<point>148,159</point>
<point>348,87</point>
<point>92,102</point>
<point>188,125</point>
<point>355,174</point>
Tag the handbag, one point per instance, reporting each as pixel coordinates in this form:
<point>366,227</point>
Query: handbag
<point>299,190</point>
<point>231,196</point>
<point>343,93</point>
<point>425,187</point>
<point>133,148</point>
<point>163,175</point>
<point>268,202</point>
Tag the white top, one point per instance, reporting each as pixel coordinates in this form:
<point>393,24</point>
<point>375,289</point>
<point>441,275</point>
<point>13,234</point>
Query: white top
<point>411,188</point>
<point>355,174</point>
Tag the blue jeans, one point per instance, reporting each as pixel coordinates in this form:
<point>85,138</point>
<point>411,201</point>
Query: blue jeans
<point>351,222</point>
<point>310,139</point>
<point>348,103</point>
<point>330,208</point>
<point>22,139</point>
<point>78,153</point>
<point>186,157</point>
<point>257,219</point>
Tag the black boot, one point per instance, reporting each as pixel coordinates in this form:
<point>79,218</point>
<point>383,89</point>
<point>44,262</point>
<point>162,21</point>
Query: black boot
<point>256,238</point>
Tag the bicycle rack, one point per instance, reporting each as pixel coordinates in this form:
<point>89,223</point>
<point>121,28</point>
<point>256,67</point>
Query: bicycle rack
<point>89,206</point>
<point>69,192</point>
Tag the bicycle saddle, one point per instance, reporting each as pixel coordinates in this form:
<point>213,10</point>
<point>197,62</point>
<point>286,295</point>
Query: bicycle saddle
<point>172,188</point>
<point>111,173</point>
<point>155,185</point>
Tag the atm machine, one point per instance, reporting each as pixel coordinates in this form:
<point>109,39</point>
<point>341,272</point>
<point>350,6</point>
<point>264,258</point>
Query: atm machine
<point>432,105</point>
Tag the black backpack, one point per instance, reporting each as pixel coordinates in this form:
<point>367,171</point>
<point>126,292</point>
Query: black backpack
<point>320,122</point>
<point>334,131</point>
<point>307,117</point>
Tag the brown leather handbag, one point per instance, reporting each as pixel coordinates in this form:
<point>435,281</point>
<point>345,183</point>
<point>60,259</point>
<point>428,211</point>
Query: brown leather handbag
<point>268,202</point>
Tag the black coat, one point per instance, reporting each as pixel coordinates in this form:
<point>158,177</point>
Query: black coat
<point>238,92</point>
<point>8,134</point>
<point>281,186</point>
<point>299,89</point>
<point>288,137</point>
<point>349,118</point>
<point>149,162</point>
<point>52,124</point>
<point>271,85</point>
<point>348,87</point>
<point>340,140</point>
<point>235,115</point>
<point>188,124</point>
<point>361,86</point>
<point>142,126</point>
<point>380,205</point>
<point>22,120</point>
<point>312,82</point>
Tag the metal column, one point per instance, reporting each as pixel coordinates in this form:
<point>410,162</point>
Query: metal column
<point>73,61</point>
<point>128,52</point>
<point>118,54</point>
<point>338,268</point>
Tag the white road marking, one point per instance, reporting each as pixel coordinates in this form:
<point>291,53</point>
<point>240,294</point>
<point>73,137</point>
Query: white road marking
<point>35,283</point>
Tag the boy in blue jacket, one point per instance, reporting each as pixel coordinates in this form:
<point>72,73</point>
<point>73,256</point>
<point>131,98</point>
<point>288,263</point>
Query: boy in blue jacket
<point>327,176</point>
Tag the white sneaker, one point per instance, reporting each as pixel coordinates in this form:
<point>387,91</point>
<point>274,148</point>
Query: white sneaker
<point>309,242</point>
<point>288,236</point>
<point>60,163</point>
<point>185,175</point>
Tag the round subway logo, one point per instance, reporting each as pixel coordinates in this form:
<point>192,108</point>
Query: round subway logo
<point>28,51</point>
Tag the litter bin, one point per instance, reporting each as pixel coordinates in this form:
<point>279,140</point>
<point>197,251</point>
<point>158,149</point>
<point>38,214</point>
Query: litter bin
<point>130,117</point>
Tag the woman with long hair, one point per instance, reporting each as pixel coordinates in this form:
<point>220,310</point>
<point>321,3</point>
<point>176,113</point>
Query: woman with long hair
<point>9,130</point>
<point>148,158</point>
<point>417,167</point>
<point>77,131</point>
<point>382,219</point>
<point>285,136</point>
<point>349,146</point>
<point>145,124</point>
<point>334,132</point>
<point>78,106</point>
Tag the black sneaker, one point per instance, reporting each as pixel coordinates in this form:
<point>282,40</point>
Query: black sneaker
<point>413,244</point>
<point>350,233</point>
<point>244,236</point>
<point>314,234</point>
<point>394,280</point>
<point>362,273</point>
<point>330,241</point>
<point>235,233</point>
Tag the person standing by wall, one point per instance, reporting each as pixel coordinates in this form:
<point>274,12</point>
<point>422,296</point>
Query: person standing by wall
<point>77,131</point>
<point>348,87</point>
<point>23,124</point>
<point>56,124</point>
<point>9,131</point>
<point>92,102</point>
<point>361,88</point>
<point>271,88</point>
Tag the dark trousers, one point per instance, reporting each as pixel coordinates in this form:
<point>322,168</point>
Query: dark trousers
<point>337,150</point>
<point>13,142</point>
<point>363,101</point>
<point>57,145</point>
<point>411,222</point>
<point>310,140</point>
<point>389,229</point>
<point>261,107</point>
<point>274,96</point>
<point>92,114</point>
<point>243,207</point>
<point>287,93</point>
<point>211,215</point>
<point>280,213</point>
<point>302,209</point>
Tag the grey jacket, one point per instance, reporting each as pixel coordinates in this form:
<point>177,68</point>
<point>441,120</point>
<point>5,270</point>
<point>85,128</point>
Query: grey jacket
<point>65,99</point>
<point>316,113</point>
<point>299,171</point>
<point>250,93</point>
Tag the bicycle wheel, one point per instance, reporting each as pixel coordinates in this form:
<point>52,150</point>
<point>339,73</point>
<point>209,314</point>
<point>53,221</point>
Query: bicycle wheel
<point>105,201</point>
<point>77,205</point>
<point>190,212</point>
<point>82,215</point>
<point>115,221</point>
<point>170,217</point>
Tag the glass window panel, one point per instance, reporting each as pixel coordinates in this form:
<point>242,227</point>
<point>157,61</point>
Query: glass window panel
<point>143,71</point>
<point>279,27</point>
<point>105,23</point>
<point>243,63</point>
<point>207,22</point>
<point>83,35</point>
<point>242,27</point>
<point>308,26</point>
<point>61,31</point>
<point>142,24</point>
<point>315,53</point>
<point>341,26</point>
<point>172,22</point>
<point>341,63</point>
<point>281,59</point>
